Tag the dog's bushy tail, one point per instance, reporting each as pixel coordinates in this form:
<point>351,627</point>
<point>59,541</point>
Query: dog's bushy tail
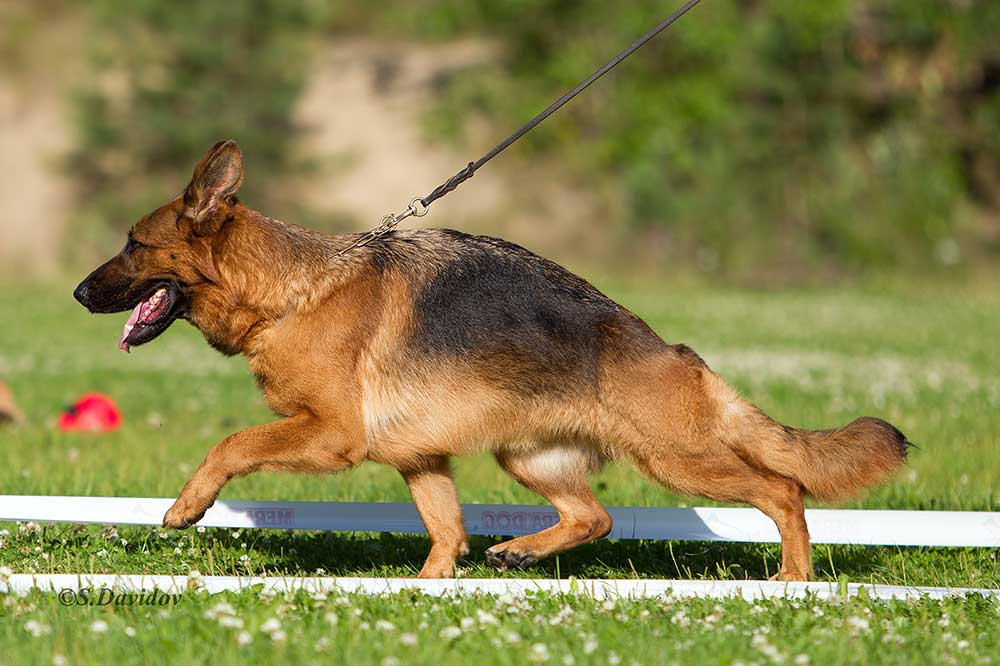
<point>835,464</point>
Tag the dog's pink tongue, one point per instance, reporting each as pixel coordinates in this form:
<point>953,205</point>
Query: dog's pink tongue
<point>129,325</point>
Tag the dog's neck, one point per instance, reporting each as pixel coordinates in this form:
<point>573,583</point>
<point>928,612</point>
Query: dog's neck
<point>264,269</point>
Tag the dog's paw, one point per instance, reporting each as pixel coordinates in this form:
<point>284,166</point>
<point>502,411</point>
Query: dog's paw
<point>790,577</point>
<point>183,515</point>
<point>437,570</point>
<point>500,557</point>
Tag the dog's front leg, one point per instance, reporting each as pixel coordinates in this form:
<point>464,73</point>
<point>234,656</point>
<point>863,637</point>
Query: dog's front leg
<point>434,494</point>
<point>300,443</point>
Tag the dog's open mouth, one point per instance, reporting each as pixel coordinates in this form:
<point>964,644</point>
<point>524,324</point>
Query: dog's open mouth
<point>151,316</point>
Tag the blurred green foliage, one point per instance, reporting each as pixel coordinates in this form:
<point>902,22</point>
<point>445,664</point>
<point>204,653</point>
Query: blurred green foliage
<point>756,138</point>
<point>169,80</point>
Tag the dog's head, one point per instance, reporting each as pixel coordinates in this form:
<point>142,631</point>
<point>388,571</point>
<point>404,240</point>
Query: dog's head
<point>169,252</point>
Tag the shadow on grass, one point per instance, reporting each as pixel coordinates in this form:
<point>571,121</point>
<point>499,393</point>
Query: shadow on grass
<point>392,555</point>
<point>363,554</point>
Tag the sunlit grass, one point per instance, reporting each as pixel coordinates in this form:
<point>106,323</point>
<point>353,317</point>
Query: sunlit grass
<point>929,364</point>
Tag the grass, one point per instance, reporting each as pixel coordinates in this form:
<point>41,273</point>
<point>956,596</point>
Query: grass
<point>926,360</point>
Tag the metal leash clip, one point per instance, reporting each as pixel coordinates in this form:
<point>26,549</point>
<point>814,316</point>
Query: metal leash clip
<point>389,223</point>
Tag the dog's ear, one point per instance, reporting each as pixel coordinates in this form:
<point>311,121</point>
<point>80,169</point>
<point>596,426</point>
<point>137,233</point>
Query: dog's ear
<point>216,180</point>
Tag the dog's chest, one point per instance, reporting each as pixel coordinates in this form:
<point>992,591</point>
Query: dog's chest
<point>301,366</point>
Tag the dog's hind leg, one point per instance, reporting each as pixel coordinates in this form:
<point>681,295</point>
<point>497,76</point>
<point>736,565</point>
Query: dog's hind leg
<point>559,474</point>
<point>722,476</point>
<point>433,492</point>
<point>300,443</point>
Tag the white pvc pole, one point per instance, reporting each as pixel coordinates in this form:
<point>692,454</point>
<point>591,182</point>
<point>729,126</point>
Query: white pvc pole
<point>870,527</point>
<point>599,589</point>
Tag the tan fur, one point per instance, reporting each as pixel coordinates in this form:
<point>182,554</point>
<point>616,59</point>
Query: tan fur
<point>9,413</point>
<point>325,336</point>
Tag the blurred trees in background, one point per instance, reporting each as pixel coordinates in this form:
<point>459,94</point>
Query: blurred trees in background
<point>169,81</point>
<point>756,137</point>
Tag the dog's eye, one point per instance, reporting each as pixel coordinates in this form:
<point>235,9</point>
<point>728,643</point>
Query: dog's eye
<point>131,245</point>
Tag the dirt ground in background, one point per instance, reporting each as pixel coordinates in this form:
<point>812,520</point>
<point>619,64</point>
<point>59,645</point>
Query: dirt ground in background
<point>361,113</point>
<point>35,197</point>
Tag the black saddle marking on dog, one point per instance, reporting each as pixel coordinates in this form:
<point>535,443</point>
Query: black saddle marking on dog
<point>533,325</point>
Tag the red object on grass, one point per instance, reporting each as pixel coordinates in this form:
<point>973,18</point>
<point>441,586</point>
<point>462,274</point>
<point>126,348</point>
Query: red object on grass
<point>93,412</point>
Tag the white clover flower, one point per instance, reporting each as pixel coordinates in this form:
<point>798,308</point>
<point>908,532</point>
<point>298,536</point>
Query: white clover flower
<point>99,626</point>
<point>244,638</point>
<point>278,636</point>
<point>801,660</point>
<point>467,623</point>
<point>322,644</point>
<point>856,624</point>
<point>590,645</point>
<point>36,628</point>
<point>408,639</point>
<point>130,632</point>
<point>365,626</point>
<point>539,653</point>
<point>384,625</point>
<point>200,529</point>
<point>271,625</point>
<point>450,633</point>
<point>614,659</point>
<point>230,622</point>
<point>512,637</point>
<point>59,660</point>
<point>485,618</point>
<point>28,529</point>
<point>331,619</point>
<point>568,660</point>
<point>390,661</point>
<point>220,609</point>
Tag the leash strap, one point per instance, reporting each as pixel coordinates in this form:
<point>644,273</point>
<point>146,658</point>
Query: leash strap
<point>472,167</point>
<point>418,207</point>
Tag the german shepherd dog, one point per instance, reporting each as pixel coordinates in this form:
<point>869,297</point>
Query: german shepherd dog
<point>432,343</point>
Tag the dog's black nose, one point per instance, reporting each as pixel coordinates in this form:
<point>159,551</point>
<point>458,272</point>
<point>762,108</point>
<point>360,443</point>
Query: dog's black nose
<point>80,293</point>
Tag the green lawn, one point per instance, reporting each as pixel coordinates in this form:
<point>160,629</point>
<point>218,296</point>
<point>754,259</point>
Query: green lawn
<point>926,360</point>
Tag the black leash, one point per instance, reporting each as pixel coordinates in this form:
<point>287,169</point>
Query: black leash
<point>418,207</point>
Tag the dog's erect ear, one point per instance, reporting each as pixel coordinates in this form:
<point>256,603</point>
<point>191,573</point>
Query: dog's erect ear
<point>216,179</point>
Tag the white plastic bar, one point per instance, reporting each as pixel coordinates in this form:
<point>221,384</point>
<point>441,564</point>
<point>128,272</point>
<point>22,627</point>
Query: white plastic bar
<point>868,527</point>
<point>599,589</point>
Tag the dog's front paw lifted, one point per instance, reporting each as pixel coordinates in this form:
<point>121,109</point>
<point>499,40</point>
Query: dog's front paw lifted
<point>184,514</point>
